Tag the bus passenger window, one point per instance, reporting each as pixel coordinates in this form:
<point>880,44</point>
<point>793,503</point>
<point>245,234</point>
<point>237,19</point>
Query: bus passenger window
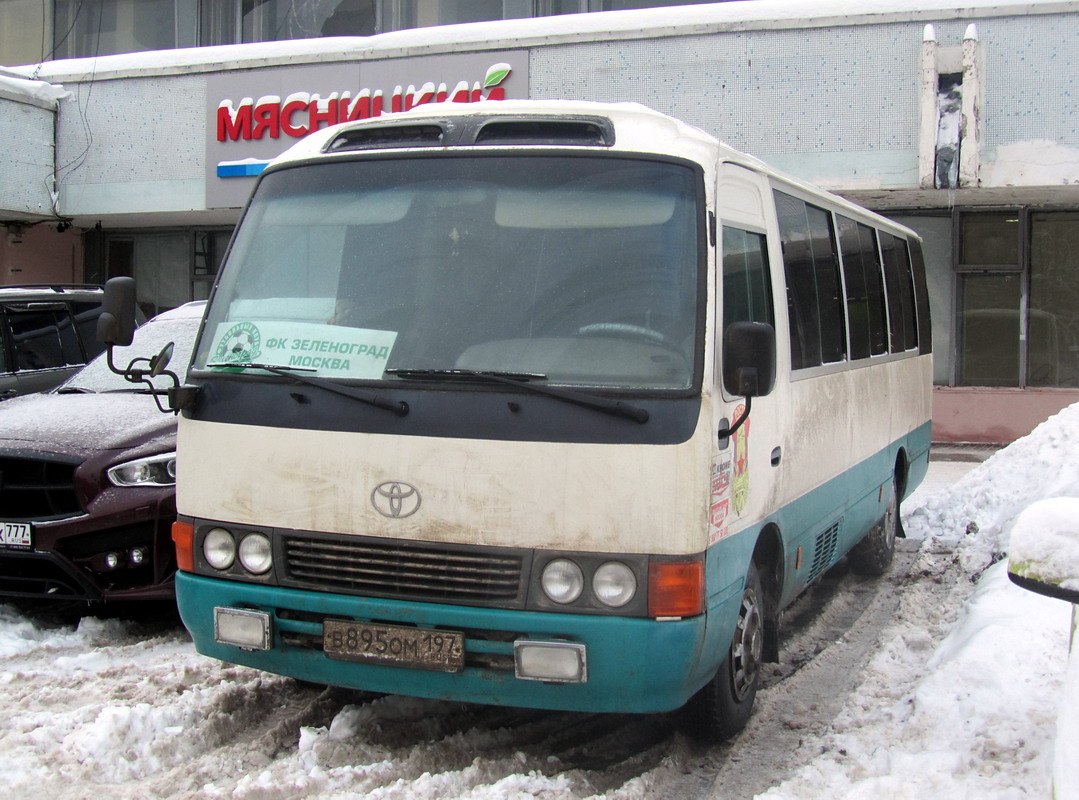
<point>897,277</point>
<point>811,265</point>
<point>747,289</point>
<point>866,312</point>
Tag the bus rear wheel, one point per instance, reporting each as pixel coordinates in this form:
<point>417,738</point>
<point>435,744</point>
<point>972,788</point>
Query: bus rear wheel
<point>721,709</point>
<point>873,555</point>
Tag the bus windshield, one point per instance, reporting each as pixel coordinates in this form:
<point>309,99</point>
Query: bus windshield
<point>572,270</point>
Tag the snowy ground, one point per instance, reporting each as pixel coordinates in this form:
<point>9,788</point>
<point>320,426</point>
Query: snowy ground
<point>958,699</point>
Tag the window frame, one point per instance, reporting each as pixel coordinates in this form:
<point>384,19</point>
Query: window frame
<point>961,270</point>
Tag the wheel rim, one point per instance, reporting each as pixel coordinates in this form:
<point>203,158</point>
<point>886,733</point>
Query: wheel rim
<point>747,646</point>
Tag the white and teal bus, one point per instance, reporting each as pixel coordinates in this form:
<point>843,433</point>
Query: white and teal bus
<point>543,404</point>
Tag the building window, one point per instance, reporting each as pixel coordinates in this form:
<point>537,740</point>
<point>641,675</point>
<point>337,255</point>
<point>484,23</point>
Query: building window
<point>989,330</point>
<point>1053,317</point>
<point>84,28</point>
<point>1018,299</point>
<point>170,268</point>
<point>989,295</point>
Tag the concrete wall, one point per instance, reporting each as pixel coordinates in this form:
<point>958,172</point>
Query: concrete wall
<point>837,106</point>
<point>993,416</point>
<point>833,100</point>
<point>26,143</point>
<point>133,145</point>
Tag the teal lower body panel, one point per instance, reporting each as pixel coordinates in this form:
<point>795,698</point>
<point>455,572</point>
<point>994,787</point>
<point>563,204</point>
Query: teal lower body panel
<point>634,665</point>
<point>821,526</point>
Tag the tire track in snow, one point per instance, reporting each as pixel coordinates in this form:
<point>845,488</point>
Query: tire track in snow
<point>149,717</point>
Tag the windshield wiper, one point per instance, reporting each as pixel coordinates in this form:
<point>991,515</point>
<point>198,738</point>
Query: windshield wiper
<point>475,374</point>
<point>524,380</point>
<point>398,407</point>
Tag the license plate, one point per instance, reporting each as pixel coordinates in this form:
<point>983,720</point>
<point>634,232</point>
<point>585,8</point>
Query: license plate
<point>389,645</point>
<point>16,534</point>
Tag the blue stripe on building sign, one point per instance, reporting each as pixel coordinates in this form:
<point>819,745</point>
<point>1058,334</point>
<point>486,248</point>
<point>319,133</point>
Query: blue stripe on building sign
<point>240,169</point>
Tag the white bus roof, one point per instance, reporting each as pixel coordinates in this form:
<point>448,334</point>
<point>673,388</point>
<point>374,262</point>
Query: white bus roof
<point>638,129</point>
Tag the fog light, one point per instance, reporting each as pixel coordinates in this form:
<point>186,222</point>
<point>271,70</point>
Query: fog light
<point>112,560</point>
<point>554,662</point>
<point>249,630</point>
<point>137,556</point>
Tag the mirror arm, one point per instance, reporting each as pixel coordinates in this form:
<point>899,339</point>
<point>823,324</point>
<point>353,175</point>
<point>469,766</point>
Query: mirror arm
<point>133,374</point>
<point>733,429</point>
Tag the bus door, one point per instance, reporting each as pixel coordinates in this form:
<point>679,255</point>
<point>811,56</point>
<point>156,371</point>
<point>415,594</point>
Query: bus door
<point>744,464</point>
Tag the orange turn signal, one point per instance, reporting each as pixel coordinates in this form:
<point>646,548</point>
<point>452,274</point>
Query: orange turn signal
<point>675,589</point>
<point>183,534</point>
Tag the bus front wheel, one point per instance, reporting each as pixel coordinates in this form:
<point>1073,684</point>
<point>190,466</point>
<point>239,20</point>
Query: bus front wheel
<point>721,709</point>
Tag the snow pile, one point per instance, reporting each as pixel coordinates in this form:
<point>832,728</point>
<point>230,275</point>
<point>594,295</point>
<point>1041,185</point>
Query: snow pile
<point>27,90</point>
<point>973,717</point>
<point>972,516</point>
<point>1044,545</point>
<point>962,699</point>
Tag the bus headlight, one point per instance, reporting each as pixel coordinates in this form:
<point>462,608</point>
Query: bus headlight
<point>153,471</point>
<point>614,584</point>
<point>219,548</point>
<point>562,581</point>
<point>256,555</point>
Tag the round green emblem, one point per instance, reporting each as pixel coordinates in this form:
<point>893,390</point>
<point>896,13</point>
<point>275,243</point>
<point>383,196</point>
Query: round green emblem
<point>239,344</point>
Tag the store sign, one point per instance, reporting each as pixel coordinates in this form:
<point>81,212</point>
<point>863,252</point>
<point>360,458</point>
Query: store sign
<point>255,115</point>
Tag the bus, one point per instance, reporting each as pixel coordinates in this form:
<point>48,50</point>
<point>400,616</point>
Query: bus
<point>548,404</point>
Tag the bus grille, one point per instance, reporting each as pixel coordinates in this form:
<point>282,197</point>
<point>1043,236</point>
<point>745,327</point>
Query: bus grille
<point>421,572</point>
<point>37,489</point>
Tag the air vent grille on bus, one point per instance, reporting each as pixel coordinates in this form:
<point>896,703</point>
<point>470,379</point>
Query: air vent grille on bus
<point>824,551</point>
<point>387,136</point>
<point>582,133</point>
<point>404,570</point>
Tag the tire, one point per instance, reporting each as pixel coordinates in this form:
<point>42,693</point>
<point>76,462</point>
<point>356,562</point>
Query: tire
<point>721,709</point>
<point>873,554</point>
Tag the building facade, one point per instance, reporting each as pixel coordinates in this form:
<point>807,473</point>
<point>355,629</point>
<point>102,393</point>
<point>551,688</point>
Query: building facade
<point>962,123</point>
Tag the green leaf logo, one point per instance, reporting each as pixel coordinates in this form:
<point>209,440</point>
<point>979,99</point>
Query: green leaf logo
<point>496,74</point>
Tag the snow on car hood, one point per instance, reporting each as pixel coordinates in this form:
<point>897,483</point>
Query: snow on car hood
<point>81,424</point>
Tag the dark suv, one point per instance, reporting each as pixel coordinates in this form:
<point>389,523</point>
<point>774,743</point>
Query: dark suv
<point>46,334</point>
<point>87,479</point>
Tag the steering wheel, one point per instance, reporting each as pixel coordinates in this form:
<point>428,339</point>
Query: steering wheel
<point>623,330</point>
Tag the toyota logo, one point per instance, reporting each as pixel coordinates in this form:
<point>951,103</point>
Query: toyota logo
<point>396,499</point>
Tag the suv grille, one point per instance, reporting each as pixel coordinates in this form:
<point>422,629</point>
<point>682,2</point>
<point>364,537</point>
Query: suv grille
<point>421,572</point>
<point>34,489</point>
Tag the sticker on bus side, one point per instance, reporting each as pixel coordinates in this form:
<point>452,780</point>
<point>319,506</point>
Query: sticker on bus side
<point>335,351</point>
<point>740,481</point>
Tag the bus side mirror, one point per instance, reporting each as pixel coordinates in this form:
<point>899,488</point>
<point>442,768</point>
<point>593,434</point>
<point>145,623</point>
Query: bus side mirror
<point>749,359</point>
<point>1043,554</point>
<point>116,325</point>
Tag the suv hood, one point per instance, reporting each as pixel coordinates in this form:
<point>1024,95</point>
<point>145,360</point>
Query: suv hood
<point>81,424</point>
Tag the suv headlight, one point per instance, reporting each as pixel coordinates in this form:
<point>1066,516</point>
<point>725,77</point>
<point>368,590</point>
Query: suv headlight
<point>157,470</point>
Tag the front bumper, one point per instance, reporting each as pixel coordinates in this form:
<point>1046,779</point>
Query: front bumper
<point>68,558</point>
<point>633,665</point>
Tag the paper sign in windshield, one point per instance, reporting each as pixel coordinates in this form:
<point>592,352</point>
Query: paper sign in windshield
<point>335,351</point>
